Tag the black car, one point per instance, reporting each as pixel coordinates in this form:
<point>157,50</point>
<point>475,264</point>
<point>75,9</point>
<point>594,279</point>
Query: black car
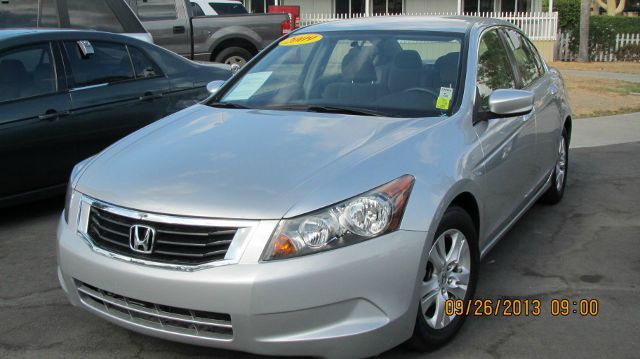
<point>67,94</point>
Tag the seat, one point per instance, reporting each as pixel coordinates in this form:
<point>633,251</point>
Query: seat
<point>447,69</point>
<point>14,79</point>
<point>406,71</point>
<point>385,52</point>
<point>358,85</point>
<point>405,74</point>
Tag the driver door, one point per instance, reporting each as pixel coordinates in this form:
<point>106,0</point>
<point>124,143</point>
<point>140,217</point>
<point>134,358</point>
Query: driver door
<point>509,144</point>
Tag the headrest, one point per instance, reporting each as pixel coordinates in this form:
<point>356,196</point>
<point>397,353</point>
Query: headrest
<point>386,50</point>
<point>447,67</point>
<point>408,59</point>
<point>357,66</point>
<point>406,71</point>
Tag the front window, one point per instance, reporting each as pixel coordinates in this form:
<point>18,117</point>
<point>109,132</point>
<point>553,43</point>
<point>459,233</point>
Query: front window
<point>27,72</point>
<point>386,73</point>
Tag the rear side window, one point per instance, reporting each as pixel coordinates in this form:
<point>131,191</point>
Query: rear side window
<point>494,67</point>
<point>228,8</point>
<point>26,72</point>
<point>156,9</point>
<point>196,9</point>
<point>94,14</point>
<point>142,65</point>
<point>18,13</point>
<point>528,65</point>
<point>109,63</point>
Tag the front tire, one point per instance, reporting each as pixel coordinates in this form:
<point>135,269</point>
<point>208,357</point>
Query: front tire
<point>451,273</point>
<point>559,180</point>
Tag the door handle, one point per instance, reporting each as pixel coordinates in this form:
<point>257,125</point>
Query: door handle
<point>179,30</point>
<point>51,115</point>
<point>150,96</point>
<point>553,90</point>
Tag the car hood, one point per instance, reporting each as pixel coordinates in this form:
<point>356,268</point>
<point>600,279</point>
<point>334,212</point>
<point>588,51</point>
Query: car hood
<point>242,164</point>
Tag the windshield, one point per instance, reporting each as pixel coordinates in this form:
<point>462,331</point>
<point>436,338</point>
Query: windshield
<point>386,73</point>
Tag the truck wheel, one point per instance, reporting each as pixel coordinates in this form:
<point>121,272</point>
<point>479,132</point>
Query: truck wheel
<point>234,55</point>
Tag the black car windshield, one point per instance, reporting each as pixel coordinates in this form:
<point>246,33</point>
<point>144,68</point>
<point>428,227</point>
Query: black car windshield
<point>385,73</point>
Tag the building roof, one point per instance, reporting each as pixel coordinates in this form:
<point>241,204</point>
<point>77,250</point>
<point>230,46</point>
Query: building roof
<point>459,24</point>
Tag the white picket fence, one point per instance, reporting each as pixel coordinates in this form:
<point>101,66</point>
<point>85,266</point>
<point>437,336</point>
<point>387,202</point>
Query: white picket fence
<point>537,25</point>
<point>600,54</point>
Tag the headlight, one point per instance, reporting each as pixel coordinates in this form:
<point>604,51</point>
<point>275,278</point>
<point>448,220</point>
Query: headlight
<point>360,218</point>
<point>77,169</point>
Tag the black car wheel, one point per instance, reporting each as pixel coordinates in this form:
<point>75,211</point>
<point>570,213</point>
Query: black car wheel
<point>234,55</point>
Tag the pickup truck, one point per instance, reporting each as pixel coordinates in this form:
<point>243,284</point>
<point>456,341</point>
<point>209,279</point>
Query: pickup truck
<point>229,39</point>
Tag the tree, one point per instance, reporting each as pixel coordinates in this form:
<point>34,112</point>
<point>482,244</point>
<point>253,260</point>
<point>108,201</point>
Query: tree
<point>613,7</point>
<point>585,13</point>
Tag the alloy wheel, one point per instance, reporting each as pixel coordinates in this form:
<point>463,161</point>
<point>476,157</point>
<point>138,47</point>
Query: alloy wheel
<point>238,60</point>
<point>447,277</point>
<point>561,165</point>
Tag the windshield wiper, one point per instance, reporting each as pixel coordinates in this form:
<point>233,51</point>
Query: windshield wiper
<point>344,110</point>
<point>227,105</point>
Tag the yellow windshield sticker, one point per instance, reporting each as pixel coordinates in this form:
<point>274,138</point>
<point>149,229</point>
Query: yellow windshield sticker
<point>443,103</point>
<point>444,99</point>
<point>301,40</point>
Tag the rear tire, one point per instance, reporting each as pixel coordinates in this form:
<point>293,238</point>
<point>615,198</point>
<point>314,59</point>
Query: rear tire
<point>559,178</point>
<point>234,55</point>
<point>446,281</point>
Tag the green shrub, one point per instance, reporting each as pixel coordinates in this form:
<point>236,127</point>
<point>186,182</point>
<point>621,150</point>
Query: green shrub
<point>568,14</point>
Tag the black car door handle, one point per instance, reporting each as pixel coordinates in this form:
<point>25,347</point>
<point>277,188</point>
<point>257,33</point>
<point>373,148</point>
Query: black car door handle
<point>150,96</point>
<point>179,29</point>
<point>51,115</point>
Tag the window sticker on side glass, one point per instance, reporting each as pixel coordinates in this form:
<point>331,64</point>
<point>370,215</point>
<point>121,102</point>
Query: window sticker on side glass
<point>248,85</point>
<point>444,99</point>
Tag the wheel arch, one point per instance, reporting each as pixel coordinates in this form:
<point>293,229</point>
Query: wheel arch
<point>468,202</point>
<point>234,42</point>
<point>568,125</point>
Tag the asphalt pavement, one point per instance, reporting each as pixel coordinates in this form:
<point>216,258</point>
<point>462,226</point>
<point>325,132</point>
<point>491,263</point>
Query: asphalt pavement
<point>587,247</point>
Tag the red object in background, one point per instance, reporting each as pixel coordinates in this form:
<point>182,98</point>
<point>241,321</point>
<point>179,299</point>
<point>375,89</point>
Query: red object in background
<point>294,16</point>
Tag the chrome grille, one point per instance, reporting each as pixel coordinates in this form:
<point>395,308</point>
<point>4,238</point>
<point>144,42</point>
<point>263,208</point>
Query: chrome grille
<point>162,317</point>
<point>174,243</point>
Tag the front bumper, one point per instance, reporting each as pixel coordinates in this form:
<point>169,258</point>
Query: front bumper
<point>356,301</point>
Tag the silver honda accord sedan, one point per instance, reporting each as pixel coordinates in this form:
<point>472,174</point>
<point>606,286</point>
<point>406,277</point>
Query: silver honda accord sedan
<point>329,198</point>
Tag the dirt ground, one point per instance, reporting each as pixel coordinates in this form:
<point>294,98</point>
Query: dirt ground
<point>622,67</point>
<point>591,97</point>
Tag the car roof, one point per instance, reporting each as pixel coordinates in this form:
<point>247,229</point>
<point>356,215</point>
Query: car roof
<point>456,24</point>
<point>12,37</point>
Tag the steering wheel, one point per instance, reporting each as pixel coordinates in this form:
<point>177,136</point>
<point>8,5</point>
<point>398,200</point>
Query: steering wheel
<point>422,89</point>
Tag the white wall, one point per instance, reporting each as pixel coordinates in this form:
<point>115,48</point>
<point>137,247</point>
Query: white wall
<point>422,6</point>
<point>311,6</point>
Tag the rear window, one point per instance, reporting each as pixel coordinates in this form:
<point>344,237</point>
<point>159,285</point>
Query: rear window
<point>157,9</point>
<point>228,8</point>
<point>18,13</point>
<point>95,14</point>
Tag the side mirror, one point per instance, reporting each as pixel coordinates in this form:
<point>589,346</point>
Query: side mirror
<point>509,103</point>
<point>214,86</point>
<point>235,68</point>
